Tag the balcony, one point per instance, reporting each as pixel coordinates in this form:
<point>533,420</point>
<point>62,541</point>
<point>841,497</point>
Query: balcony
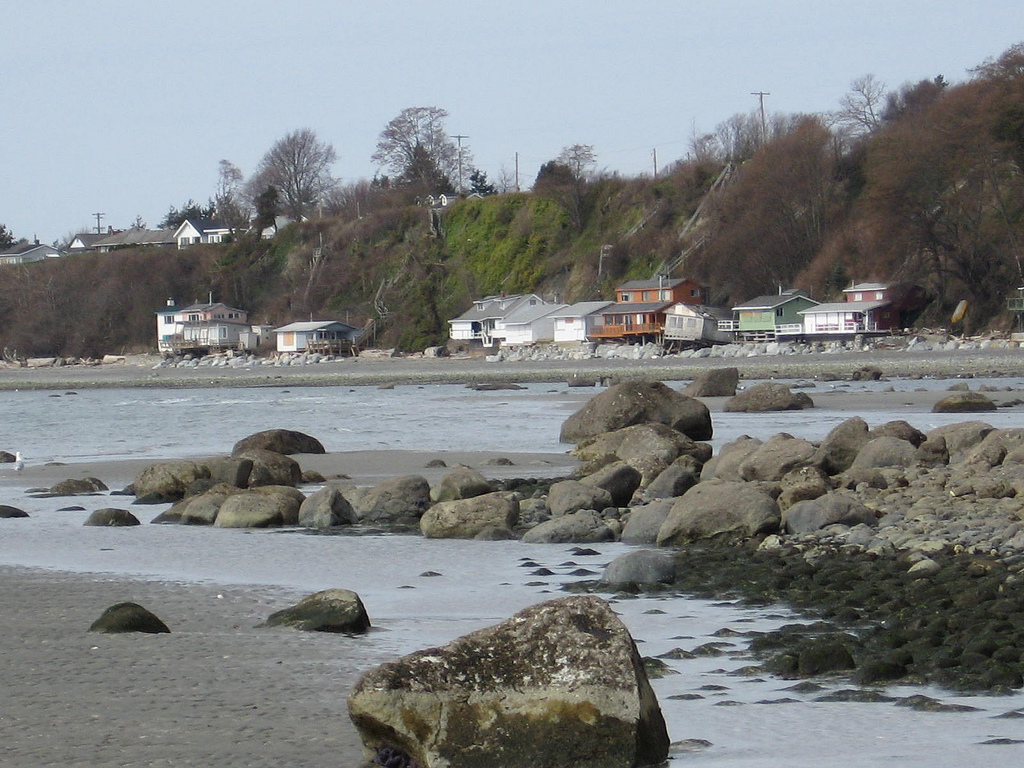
<point>610,331</point>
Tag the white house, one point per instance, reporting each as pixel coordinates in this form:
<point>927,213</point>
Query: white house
<point>28,253</point>
<point>527,324</point>
<point>577,321</point>
<point>326,336</point>
<point>477,325</point>
<point>200,326</point>
<point>196,231</point>
<point>697,324</point>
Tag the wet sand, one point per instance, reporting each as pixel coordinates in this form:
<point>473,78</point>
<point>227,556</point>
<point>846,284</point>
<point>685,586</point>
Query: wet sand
<point>217,691</point>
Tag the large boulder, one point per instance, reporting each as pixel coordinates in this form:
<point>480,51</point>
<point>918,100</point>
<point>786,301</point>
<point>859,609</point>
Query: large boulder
<point>675,480</point>
<point>904,430</point>
<point>992,450</point>
<point>638,402</point>
<point>285,441</point>
<point>228,470</point>
<point>203,509</point>
<point>128,617</point>
<point>467,518</point>
<point>726,465</point>
<point>397,500</point>
<point>460,483</point>
<point>718,382</point>
<point>271,468</point>
<point>648,448</point>
<point>717,508</point>
<point>885,452</point>
<point>959,438</point>
<point>9,512</point>
<point>584,527</point>
<point>326,508</point>
<point>619,479</point>
<point>645,521</point>
<point>803,484</point>
<point>111,516</point>
<point>258,509</point>
<point>332,610</point>
<point>568,496</point>
<point>558,685</point>
<point>643,567</point>
<point>841,445</point>
<point>768,396</point>
<point>964,402</point>
<point>830,509</point>
<point>169,480</point>
<point>776,457</point>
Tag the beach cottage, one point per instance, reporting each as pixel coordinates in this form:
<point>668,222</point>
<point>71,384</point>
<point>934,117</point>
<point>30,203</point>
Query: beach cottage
<point>527,324</point>
<point>327,337</point>
<point>476,327</point>
<point>577,322</point>
<point>693,325</point>
<point>868,308</point>
<point>200,327</point>
<point>772,317</point>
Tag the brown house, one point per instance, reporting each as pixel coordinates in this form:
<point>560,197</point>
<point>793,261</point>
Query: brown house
<point>638,314</point>
<point>676,291</point>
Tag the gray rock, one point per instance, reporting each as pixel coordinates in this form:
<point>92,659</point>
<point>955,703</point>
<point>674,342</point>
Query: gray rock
<point>717,382</point>
<point>202,509</point>
<point>638,402</point>
<point>111,516</point>
<point>959,438</point>
<point>719,508</point>
<point>830,509</point>
<point>645,521</point>
<point>568,496</point>
<point>271,468</point>
<point>726,465</point>
<point>885,452</point>
<point>619,479</point>
<point>771,460</point>
<point>284,441</point>
<point>9,512</point>
<point>398,500</point>
<point>768,396</point>
<point>674,480</point>
<point>559,684</point>
<point>169,479</point>
<point>643,566</point>
<point>332,610</point>
<point>468,518</point>
<point>841,445</point>
<point>326,508</point>
<point>584,527</point>
<point>901,429</point>
<point>460,483</point>
<point>256,509</point>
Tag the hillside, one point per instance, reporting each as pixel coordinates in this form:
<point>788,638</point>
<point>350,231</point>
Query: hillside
<point>930,192</point>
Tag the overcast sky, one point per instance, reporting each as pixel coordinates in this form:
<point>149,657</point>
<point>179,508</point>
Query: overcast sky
<point>126,106</point>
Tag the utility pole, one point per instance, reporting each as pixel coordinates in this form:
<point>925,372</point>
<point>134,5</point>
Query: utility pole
<point>517,171</point>
<point>459,137</point>
<point>654,155</point>
<point>764,128</point>
<point>99,229</point>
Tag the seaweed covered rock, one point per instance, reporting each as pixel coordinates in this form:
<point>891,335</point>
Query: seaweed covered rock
<point>467,518</point>
<point>768,396</point>
<point>128,617</point>
<point>327,508</point>
<point>332,610</point>
<point>168,480</point>
<point>715,509</point>
<point>558,685</point>
<point>964,402</point>
<point>111,516</point>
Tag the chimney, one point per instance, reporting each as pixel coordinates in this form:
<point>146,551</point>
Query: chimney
<point>170,301</point>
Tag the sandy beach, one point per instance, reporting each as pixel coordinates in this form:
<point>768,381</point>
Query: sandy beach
<point>217,691</point>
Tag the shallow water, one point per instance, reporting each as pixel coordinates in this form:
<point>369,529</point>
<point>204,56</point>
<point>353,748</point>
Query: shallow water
<point>751,721</point>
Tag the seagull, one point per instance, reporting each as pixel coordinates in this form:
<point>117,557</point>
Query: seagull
<point>18,463</point>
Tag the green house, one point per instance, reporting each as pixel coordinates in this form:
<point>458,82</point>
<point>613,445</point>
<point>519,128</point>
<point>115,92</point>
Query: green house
<point>770,317</point>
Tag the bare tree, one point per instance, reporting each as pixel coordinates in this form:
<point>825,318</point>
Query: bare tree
<point>579,158</point>
<point>861,108</point>
<point>418,134</point>
<point>230,207</point>
<point>298,166</point>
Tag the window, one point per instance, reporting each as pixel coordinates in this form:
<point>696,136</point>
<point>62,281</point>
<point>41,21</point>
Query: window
<point>778,312</point>
<point>694,292</point>
<point>666,296</point>
<point>858,296</point>
<point>168,319</point>
<point>878,295</point>
<point>625,296</point>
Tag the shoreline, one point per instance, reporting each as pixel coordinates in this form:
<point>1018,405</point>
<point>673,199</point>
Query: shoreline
<point>407,370</point>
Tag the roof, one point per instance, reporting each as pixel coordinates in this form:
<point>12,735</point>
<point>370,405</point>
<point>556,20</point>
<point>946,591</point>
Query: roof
<point>527,313</point>
<point>624,308</point>
<point>495,307</point>
<point>867,287</point>
<point>202,225</point>
<point>135,236</point>
<point>581,309</point>
<point>641,285</point>
<point>196,308</point>
<point>20,249</point>
<point>773,300</point>
<point>315,325</point>
<point>711,313</point>
<point>88,238</point>
<point>845,306</point>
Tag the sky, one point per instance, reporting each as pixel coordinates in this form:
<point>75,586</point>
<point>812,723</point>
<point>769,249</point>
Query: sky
<point>126,107</point>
